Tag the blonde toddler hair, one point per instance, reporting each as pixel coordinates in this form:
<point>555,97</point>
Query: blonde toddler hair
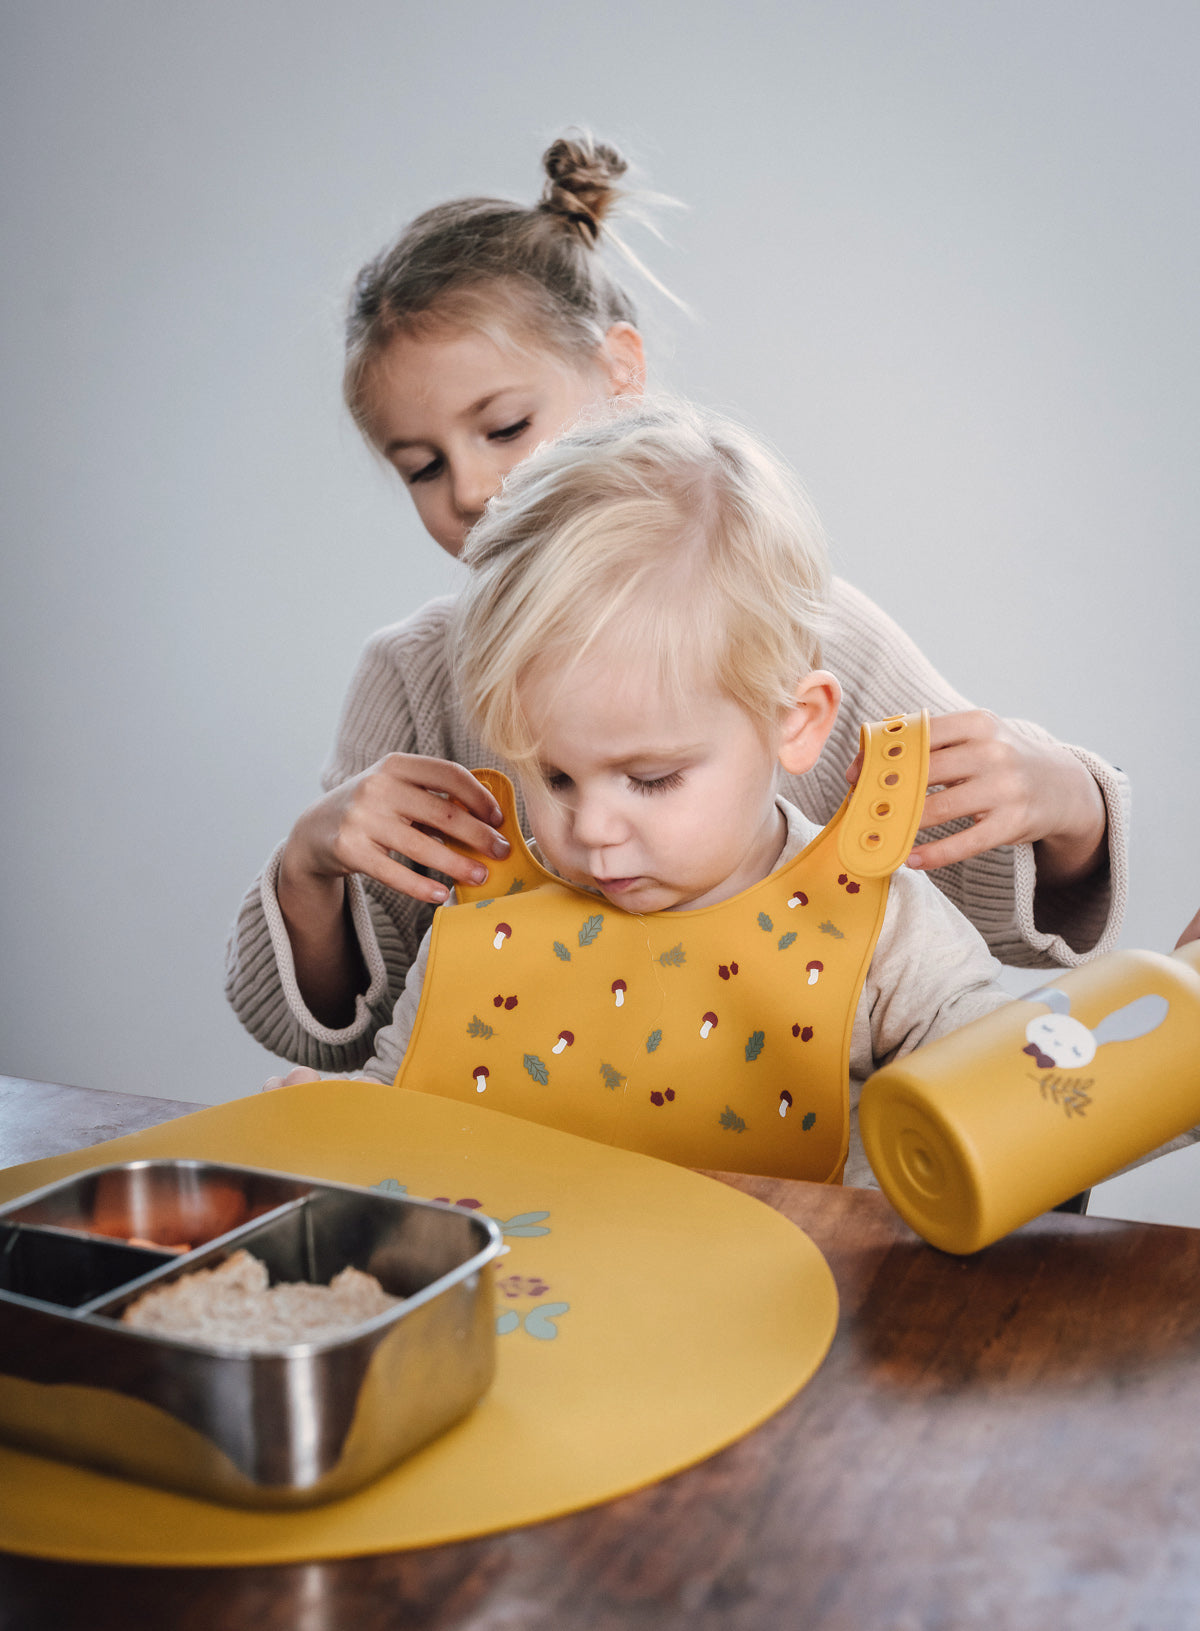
<point>661,528</point>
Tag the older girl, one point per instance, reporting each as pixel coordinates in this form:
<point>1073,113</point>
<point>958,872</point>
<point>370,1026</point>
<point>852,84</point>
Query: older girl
<point>485,330</point>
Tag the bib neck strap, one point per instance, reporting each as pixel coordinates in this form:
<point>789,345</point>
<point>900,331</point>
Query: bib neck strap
<point>881,818</point>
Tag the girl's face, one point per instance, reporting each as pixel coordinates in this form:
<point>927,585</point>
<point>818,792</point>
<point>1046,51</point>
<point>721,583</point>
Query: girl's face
<point>455,412</point>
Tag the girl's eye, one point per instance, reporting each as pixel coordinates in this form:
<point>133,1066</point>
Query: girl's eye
<point>509,433</point>
<point>426,473</point>
<point>658,784</point>
<point>557,781</point>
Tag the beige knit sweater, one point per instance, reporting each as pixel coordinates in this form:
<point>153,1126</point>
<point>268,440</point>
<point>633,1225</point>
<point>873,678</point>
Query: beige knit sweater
<point>402,700</point>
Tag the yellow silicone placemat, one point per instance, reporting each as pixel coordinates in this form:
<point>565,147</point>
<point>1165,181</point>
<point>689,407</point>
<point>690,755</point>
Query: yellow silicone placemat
<point>647,1316</point>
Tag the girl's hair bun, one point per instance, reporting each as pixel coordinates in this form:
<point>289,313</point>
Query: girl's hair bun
<point>580,182</point>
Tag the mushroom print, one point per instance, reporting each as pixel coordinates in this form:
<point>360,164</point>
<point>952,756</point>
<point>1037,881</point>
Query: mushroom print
<point>798,899</point>
<point>619,989</point>
<point>502,933</point>
<point>815,970</point>
<point>785,1102</point>
<point>480,1074</point>
<point>564,1041</point>
<point>710,1019</point>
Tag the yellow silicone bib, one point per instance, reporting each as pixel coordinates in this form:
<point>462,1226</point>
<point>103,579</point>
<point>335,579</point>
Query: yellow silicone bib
<point>713,1038</point>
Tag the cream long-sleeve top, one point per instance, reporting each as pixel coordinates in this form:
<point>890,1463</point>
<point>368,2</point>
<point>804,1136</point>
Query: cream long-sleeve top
<point>402,700</point>
<point>930,973</point>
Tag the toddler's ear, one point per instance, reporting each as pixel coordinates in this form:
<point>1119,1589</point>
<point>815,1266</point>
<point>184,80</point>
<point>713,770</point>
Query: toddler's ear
<point>808,722</point>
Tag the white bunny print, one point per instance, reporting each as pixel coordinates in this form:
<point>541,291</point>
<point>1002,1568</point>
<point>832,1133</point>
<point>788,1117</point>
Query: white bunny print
<point>1059,1040</point>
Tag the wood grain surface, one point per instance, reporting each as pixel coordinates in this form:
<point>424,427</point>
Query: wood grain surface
<point>1002,1441</point>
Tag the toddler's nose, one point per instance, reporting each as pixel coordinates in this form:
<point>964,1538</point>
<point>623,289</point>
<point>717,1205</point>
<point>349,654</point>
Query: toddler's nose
<point>596,824</point>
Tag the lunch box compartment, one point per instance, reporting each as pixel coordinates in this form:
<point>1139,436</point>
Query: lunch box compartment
<point>159,1203</point>
<point>66,1271</point>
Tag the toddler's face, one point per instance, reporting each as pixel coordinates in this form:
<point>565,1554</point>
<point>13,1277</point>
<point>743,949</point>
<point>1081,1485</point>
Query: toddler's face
<point>454,412</point>
<point>655,803</point>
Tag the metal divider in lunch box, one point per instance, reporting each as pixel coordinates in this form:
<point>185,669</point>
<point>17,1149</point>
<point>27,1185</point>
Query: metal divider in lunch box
<point>277,1425</point>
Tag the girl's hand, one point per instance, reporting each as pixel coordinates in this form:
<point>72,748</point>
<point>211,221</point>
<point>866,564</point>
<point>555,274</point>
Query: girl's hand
<point>401,804</point>
<point>301,1073</point>
<point>1015,791</point>
<point>1192,932</point>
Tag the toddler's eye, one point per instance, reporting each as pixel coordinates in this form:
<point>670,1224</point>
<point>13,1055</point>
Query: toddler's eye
<point>510,432</point>
<point>657,784</point>
<point>557,781</point>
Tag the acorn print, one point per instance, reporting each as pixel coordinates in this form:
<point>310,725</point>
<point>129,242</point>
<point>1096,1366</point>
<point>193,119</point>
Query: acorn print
<point>619,989</point>
<point>785,1102</point>
<point>726,972</point>
<point>804,1032</point>
<point>502,933</point>
<point>480,1074</point>
<point>710,1019</point>
<point>850,888</point>
<point>658,1098</point>
<point>815,970</point>
<point>798,899</point>
<point>565,1040</point>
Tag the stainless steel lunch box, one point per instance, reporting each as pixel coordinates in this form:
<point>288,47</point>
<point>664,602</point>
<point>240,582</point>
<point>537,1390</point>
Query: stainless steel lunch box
<point>275,1426</point>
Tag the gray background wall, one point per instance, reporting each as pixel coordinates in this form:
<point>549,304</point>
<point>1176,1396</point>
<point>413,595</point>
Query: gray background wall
<point>942,254</point>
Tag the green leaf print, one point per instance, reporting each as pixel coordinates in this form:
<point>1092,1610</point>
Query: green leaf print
<point>515,887</point>
<point>539,1321</point>
<point>561,952</point>
<point>612,1078</point>
<point>591,929</point>
<point>764,923</point>
<point>675,958</point>
<point>478,1028</point>
<point>537,1069</point>
<point>754,1047</point>
<point>731,1121</point>
<point>653,1040</point>
<point>831,928</point>
<point>390,1186</point>
<point>524,1224</point>
<point>480,904</point>
<point>785,940</point>
<point>809,1121</point>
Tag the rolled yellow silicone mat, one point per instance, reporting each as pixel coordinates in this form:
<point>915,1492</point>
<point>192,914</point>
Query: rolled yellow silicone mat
<point>646,1317</point>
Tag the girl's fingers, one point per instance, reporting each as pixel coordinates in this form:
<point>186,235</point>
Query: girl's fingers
<point>301,1073</point>
<point>395,875</point>
<point>444,777</point>
<point>959,846</point>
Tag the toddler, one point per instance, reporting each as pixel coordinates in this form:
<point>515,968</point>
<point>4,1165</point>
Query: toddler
<point>688,966</point>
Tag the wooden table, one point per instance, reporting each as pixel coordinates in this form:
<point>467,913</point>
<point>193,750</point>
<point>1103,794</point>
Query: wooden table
<point>1008,1441</point>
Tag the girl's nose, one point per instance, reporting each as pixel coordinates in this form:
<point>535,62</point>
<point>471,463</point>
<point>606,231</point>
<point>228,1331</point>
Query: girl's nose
<point>473,482</point>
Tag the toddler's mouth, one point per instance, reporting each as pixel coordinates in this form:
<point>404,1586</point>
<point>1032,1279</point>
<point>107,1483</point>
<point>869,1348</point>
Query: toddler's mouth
<point>614,885</point>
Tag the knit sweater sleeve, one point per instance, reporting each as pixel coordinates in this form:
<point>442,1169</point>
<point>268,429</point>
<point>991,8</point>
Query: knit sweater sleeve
<point>882,672</point>
<point>401,700</point>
